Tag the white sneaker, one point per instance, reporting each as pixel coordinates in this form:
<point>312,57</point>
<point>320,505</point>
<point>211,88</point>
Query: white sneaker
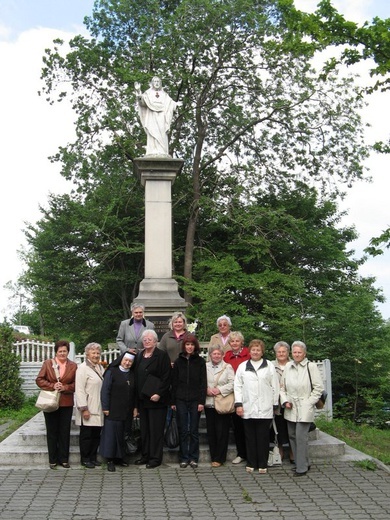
<point>237,460</point>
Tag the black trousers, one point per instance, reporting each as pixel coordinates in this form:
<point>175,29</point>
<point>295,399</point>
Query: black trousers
<point>58,434</point>
<point>152,423</point>
<point>239,435</point>
<point>89,441</point>
<point>257,442</point>
<point>218,426</point>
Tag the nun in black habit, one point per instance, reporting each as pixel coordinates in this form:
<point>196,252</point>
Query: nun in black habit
<point>117,397</point>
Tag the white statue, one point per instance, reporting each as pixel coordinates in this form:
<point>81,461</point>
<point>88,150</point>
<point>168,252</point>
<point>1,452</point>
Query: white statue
<point>155,109</point>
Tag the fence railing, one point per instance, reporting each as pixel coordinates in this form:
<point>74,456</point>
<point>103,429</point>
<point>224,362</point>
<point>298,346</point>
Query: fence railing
<point>107,356</point>
<point>33,353</point>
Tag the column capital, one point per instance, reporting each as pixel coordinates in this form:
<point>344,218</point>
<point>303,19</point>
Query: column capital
<point>157,168</point>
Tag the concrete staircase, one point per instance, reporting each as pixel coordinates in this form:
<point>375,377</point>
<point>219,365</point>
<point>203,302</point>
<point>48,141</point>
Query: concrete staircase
<point>26,447</point>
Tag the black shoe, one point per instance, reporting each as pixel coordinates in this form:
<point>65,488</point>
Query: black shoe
<point>96,463</point>
<point>111,466</point>
<point>296,474</point>
<point>153,465</point>
<point>88,465</point>
<point>140,462</point>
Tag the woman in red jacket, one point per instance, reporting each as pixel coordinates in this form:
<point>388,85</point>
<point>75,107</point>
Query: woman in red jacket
<point>58,422</point>
<point>237,355</point>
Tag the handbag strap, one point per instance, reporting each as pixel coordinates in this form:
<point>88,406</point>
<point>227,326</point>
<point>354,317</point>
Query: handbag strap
<point>219,375</point>
<point>275,430</point>
<point>308,370</point>
<point>56,371</point>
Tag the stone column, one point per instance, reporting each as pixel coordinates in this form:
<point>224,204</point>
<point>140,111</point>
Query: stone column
<point>158,291</point>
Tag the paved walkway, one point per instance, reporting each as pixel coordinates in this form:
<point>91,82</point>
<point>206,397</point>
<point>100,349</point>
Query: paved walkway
<point>336,491</point>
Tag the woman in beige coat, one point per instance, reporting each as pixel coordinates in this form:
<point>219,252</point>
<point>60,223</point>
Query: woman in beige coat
<point>89,414</point>
<point>224,325</point>
<point>301,388</point>
<point>220,380</point>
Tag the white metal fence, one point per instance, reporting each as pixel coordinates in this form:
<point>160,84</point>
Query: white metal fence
<point>33,353</point>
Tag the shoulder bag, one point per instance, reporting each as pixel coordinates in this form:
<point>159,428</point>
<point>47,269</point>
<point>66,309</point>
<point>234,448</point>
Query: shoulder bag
<point>223,404</point>
<point>321,401</point>
<point>274,458</point>
<point>49,400</point>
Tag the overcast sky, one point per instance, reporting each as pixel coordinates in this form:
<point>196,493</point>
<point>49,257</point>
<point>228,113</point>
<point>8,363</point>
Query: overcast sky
<point>31,130</point>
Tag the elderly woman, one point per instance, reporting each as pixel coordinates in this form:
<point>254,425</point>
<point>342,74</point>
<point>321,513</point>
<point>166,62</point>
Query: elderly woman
<point>189,384</point>
<point>224,324</point>
<point>171,340</point>
<point>59,374</point>
<point>220,380</point>
<point>256,391</point>
<point>237,355</point>
<point>301,388</point>
<point>152,382</point>
<point>282,353</point>
<point>89,414</point>
<point>117,395</point>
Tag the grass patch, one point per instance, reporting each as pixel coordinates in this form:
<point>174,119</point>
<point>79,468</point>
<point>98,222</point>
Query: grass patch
<point>366,464</point>
<point>362,437</point>
<point>14,419</point>
<point>246,496</point>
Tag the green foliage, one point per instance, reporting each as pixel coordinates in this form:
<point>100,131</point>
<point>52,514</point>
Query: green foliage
<point>13,419</point>
<point>326,27</point>
<point>268,143</point>
<point>252,111</point>
<point>378,243</point>
<point>87,253</point>
<point>11,395</point>
<point>366,464</point>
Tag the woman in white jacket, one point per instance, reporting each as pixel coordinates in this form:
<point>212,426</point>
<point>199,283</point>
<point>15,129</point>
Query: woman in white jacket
<point>256,392</point>
<point>301,388</point>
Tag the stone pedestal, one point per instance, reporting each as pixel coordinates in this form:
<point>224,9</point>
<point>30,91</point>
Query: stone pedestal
<point>158,291</point>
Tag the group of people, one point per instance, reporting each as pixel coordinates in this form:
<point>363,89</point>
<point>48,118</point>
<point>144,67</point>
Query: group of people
<point>235,386</point>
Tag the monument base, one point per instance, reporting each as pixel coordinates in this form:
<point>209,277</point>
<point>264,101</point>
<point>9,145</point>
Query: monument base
<point>158,294</point>
<point>161,299</point>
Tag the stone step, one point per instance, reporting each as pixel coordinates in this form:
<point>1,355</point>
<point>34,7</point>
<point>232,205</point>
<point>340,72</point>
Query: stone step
<point>27,446</point>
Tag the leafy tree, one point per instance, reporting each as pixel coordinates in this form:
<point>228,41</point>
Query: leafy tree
<point>271,262</point>
<point>355,338</point>
<point>11,395</point>
<point>268,143</point>
<point>252,110</point>
<point>370,41</point>
<point>87,254</point>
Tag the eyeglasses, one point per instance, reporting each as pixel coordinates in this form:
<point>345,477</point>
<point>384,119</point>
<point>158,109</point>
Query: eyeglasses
<point>148,339</point>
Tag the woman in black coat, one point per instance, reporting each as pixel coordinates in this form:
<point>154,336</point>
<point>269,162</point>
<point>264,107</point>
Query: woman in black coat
<point>118,399</point>
<point>153,379</point>
<point>189,386</point>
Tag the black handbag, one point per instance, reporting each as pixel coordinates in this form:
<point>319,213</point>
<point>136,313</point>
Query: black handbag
<point>133,439</point>
<point>321,401</point>
<point>171,436</point>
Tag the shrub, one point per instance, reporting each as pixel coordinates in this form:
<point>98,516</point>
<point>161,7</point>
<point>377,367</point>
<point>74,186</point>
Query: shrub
<point>11,395</point>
